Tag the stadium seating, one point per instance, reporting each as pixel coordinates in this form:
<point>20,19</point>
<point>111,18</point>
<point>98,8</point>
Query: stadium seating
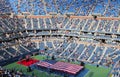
<point>87,7</point>
<point>90,53</point>
<point>11,73</point>
<point>116,70</point>
<point>94,41</point>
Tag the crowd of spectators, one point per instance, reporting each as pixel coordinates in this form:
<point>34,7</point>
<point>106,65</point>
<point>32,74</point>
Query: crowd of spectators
<point>116,69</point>
<point>82,7</point>
<point>67,49</point>
<point>16,48</point>
<point>92,53</point>
<point>12,73</point>
<point>5,6</point>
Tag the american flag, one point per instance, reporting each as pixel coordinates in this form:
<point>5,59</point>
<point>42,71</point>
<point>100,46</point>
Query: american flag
<point>44,64</point>
<point>67,67</point>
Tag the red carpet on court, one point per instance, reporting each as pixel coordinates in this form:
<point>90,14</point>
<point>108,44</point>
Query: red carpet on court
<point>27,63</point>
